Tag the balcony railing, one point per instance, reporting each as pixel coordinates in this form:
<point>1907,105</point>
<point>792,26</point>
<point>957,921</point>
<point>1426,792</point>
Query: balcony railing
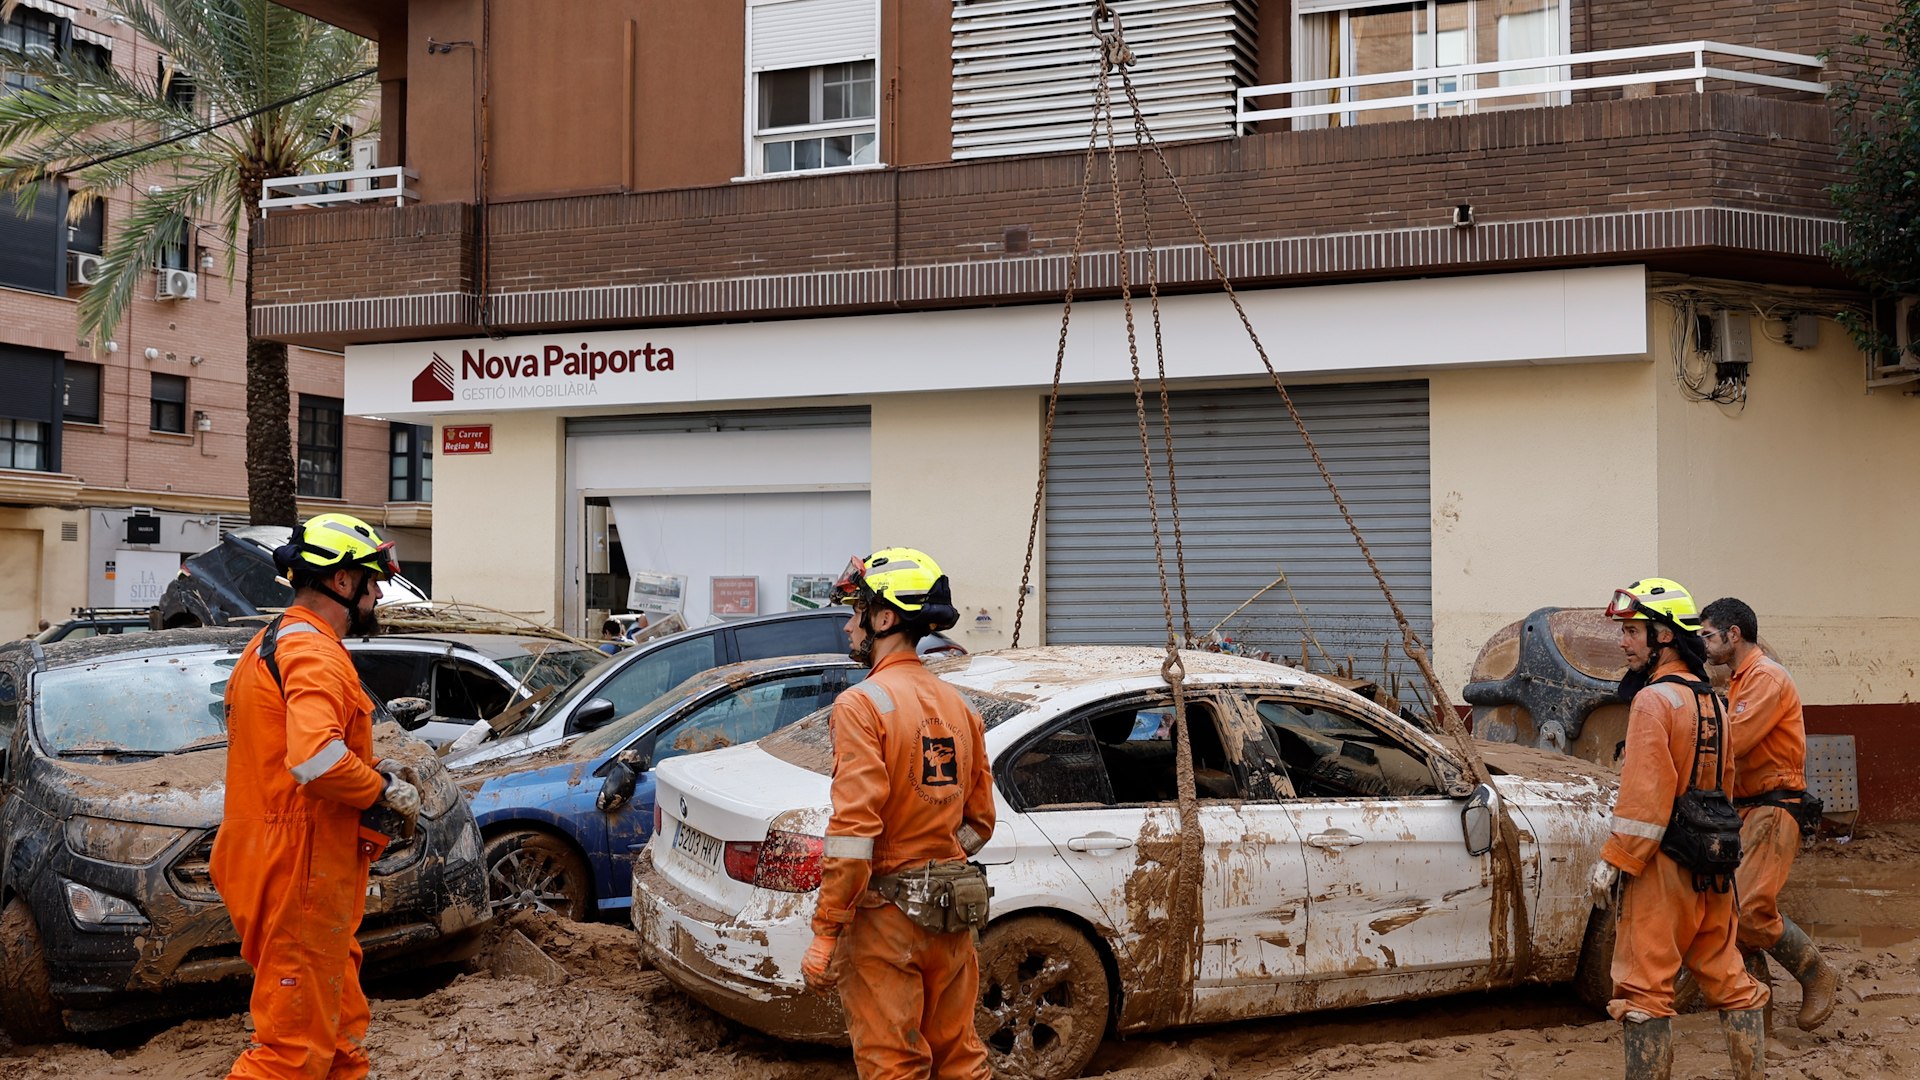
<point>320,189</point>
<point>1455,87</point>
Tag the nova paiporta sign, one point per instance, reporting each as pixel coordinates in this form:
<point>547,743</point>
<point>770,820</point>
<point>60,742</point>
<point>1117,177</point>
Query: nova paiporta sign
<point>554,371</point>
<point>466,439</point>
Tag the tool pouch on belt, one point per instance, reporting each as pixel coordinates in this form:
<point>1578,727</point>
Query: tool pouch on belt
<point>1704,833</point>
<point>941,897</point>
<point>1806,809</point>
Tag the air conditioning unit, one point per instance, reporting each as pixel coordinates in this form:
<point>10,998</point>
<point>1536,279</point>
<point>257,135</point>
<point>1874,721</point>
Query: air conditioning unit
<point>176,285</point>
<point>1903,365</point>
<point>83,268</point>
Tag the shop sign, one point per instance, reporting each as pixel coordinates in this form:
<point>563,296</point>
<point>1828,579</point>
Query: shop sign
<point>470,439</point>
<point>733,597</point>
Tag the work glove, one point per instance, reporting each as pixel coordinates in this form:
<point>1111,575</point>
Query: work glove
<point>402,793</point>
<point>817,968</point>
<point>1600,885</point>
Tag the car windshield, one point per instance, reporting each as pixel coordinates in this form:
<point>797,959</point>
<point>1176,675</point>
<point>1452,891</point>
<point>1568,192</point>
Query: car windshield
<point>138,706</point>
<point>808,743</point>
<point>551,664</point>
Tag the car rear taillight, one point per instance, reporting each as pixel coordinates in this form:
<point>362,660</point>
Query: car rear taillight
<point>784,861</point>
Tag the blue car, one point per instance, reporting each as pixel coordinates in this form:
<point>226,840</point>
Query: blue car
<point>547,845</point>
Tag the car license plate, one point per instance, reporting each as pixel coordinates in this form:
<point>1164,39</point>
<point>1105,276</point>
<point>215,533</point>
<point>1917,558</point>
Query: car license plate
<point>696,846</point>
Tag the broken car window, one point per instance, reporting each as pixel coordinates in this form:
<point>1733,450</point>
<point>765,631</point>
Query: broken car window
<point>142,705</point>
<point>554,665</point>
<point>1061,769</point>
<point>1334,756</point>
<point>1136,745</point>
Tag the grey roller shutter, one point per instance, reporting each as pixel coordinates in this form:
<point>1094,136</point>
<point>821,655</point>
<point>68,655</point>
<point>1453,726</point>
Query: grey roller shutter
<point>1251,504</point>
<point>802,33</point>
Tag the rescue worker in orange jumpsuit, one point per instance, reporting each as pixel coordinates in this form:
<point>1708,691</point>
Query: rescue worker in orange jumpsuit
<point>1664,919</point>
<point>1767,737</point>
<point>291,857</point>
<point>911,786</point>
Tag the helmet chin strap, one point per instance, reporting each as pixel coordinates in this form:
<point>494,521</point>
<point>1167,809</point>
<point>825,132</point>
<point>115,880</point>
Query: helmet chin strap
<point>861,652</point>
<point>358,625</point>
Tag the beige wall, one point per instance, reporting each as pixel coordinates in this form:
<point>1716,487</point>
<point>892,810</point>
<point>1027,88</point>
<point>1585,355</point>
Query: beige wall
<point>1531,467</point>
<point>41,575</point>
<point>1805,505</point>
<point>953,474</point>
<point>498,516</point>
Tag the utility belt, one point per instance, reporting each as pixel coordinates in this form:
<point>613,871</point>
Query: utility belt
<point>1806,809</point>
<point>1704,832</point>
<point>940,897</point>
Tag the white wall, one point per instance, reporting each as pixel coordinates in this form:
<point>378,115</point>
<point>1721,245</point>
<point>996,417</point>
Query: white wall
<point>497,517</point>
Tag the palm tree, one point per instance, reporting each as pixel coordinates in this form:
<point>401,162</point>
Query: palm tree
<point>251,91</point>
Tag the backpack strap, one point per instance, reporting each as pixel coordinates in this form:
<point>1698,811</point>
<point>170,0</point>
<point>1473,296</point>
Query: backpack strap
<point>1701,689</point>
<point>270,643</point>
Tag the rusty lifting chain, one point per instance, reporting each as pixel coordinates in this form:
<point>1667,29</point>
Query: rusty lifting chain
<point>1117,57</point>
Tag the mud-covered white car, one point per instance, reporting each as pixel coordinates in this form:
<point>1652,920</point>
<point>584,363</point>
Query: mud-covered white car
<point>1345,858</point>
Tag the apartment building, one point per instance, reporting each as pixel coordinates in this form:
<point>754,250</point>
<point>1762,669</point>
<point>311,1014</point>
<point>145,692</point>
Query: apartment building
<point>154,417</point>
<point>721,292</point>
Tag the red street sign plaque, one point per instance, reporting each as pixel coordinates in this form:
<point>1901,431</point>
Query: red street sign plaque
<point>472,439</point>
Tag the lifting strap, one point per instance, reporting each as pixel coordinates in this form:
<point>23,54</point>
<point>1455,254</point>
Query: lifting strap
<point>1512,941</point>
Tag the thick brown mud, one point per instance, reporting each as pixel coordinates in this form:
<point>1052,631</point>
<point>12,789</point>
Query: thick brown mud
<point>612,1018</point>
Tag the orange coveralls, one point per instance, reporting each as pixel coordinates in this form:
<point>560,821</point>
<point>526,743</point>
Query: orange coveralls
<point>291,857</point>
<point>1767,736</point>
<point>909,773</point>
<point>1664,923</point>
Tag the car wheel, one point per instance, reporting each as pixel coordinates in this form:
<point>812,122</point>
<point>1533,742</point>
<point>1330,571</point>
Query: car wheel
<point>1043,998</point>
<point>529,870</point>
<point>1593,979</point>
<point>27,1012</point>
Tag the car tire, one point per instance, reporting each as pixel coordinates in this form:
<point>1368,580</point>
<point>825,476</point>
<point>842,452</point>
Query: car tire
<point>1593,979</point>
<point>528,869</point>
<point>1043,998</point>
<point>27,1012</point>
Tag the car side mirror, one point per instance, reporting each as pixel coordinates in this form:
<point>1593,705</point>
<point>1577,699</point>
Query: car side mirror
<point>617,790</point>
<point>1476,820</point>
<point>409,712</point>
<point>593,714</point>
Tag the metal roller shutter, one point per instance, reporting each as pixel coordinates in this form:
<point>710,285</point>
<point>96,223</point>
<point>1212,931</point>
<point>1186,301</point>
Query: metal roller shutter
<point>1251,505</point>
<point>802,33</point>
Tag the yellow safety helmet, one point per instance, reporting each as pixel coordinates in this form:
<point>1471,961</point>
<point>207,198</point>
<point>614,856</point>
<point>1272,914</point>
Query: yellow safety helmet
<point>1656,599</point>
<point>330,541</point>
<point>906,579</point>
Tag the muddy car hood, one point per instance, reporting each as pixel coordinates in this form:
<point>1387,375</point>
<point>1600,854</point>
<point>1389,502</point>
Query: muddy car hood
<point>1513,759</point>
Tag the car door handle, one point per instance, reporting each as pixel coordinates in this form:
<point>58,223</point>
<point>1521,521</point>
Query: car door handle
<point>1335,841</point>
<point>1099,843</point>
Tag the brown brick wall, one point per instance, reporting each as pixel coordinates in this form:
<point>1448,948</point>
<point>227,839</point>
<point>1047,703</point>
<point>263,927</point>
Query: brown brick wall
<point>1681,150</point>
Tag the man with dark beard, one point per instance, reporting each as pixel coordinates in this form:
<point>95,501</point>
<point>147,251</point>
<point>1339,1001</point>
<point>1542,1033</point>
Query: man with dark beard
<point>1671,914</point>
<point>292,857</point>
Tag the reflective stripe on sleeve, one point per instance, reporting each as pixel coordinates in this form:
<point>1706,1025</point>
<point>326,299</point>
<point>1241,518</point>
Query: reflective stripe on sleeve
<point>316,766</point>
<point>849,847</point>
<point>882,701</point>
<point>298,628</point>
<point>1630,827</point>
<point>970,842</point>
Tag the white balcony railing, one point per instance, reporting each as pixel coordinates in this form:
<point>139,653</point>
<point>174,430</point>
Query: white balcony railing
<point>320,189</point>
<point>1455,87</point>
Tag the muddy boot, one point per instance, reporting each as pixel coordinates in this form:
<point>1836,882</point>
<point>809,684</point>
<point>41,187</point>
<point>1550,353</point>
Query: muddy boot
<point>1762,974</point>
<point>1819,982</point>
<point>1746,1042</point>
<point>1649,1048</point>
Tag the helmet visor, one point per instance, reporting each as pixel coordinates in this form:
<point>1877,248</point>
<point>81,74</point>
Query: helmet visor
<point>382,561</point>
<point>1625,605</point>
<point>853,582</point>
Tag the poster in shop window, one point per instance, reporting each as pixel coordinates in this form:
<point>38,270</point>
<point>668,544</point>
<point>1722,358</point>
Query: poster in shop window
<point>734,597</point>
<point>657,593</point>
<point>807,592</point>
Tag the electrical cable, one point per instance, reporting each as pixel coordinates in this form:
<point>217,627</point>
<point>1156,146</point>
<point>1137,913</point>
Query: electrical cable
<point>205,128</point>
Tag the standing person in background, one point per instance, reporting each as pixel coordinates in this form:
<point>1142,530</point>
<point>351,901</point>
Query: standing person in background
<point>1767,738</point>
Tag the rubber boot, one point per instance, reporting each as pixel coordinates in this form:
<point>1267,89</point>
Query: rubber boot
<point>1819,982</point>
<point>1649,1048</point>
<point>1746,1042</point>
<point>1762,974</point>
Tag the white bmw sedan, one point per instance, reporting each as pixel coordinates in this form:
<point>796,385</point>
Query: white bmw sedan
<point>1346,858</point>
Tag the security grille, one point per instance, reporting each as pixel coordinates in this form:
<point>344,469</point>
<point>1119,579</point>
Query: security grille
<point>1251,505</point>
<point>1024,71</point>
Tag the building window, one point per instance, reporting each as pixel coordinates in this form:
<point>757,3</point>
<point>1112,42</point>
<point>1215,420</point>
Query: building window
<point>23,444</point>
<point>410,464</point>
<point>1338,38</point>
<point>321,419</point>
<point>178,252</point>
<point>88,233</point>
<point>26,34</point>
<point>82,393</point>
<point>816,118</point>
<point>169,404</point>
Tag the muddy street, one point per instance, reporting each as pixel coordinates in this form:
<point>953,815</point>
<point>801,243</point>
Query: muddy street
<point>608,1018</point>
